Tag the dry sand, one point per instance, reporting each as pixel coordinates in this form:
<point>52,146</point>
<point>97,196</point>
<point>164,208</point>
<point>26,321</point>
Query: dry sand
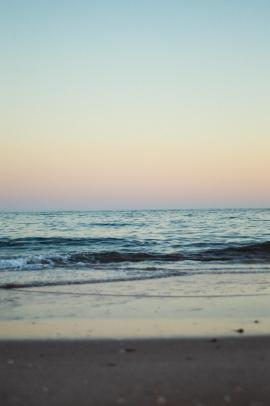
<point>194,371</point>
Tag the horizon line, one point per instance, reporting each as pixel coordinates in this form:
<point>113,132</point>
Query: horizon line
<point>130,209</point>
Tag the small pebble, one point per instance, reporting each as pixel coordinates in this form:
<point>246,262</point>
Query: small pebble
<point>161,400</point>
<point>240,330</point>
<point>10,361</point>
<point>124,350</point>
<point>45,388</point>
<point>227,399</point>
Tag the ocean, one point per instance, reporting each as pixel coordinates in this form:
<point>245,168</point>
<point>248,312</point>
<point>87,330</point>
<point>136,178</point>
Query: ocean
<point>135,252</point>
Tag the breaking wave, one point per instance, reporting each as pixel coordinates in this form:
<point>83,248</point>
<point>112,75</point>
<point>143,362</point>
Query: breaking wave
<point>251,253</point>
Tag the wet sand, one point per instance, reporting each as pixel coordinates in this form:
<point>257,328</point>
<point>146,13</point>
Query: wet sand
<point>180,371</point>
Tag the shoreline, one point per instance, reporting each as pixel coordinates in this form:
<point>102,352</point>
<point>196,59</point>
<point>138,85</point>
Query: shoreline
<point>93,317</point>
<point>106,329</point>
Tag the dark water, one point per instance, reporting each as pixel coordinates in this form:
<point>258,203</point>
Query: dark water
<point>61,248</point>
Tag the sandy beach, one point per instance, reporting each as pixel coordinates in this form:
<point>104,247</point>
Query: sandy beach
<point>144,351</point>
<point>198,371</point>
<point>197,340</point>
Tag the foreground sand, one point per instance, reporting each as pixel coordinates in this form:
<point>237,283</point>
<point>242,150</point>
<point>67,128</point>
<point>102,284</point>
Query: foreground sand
<point>132,349</point>
<point>195,371</point>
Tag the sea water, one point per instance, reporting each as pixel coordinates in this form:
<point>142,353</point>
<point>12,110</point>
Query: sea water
<point>167,253</point>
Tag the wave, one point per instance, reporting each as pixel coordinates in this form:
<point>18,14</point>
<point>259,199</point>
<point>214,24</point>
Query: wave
<point>252,253</point>
<point>38,242</point>
<point>83,259</point>
<point>114,256</point>
<point>258,252</point>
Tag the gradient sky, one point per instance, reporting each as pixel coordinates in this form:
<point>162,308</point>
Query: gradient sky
<point>134,104</point>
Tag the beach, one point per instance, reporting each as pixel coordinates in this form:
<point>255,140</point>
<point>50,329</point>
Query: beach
<point>215,351</point>
<point>135,308</point>
<point>194,371</point>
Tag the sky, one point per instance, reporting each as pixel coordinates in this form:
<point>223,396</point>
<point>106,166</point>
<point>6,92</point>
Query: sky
<point>134,104</point>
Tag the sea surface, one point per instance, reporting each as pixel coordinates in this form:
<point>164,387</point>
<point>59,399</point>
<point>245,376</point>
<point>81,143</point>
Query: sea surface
<point>181,252</point>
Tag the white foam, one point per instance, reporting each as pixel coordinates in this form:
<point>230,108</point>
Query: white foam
<point>17,263</point>
<point>25,263</point>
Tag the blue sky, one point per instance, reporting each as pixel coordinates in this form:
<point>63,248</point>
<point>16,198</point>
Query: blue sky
<point>169,99</point>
